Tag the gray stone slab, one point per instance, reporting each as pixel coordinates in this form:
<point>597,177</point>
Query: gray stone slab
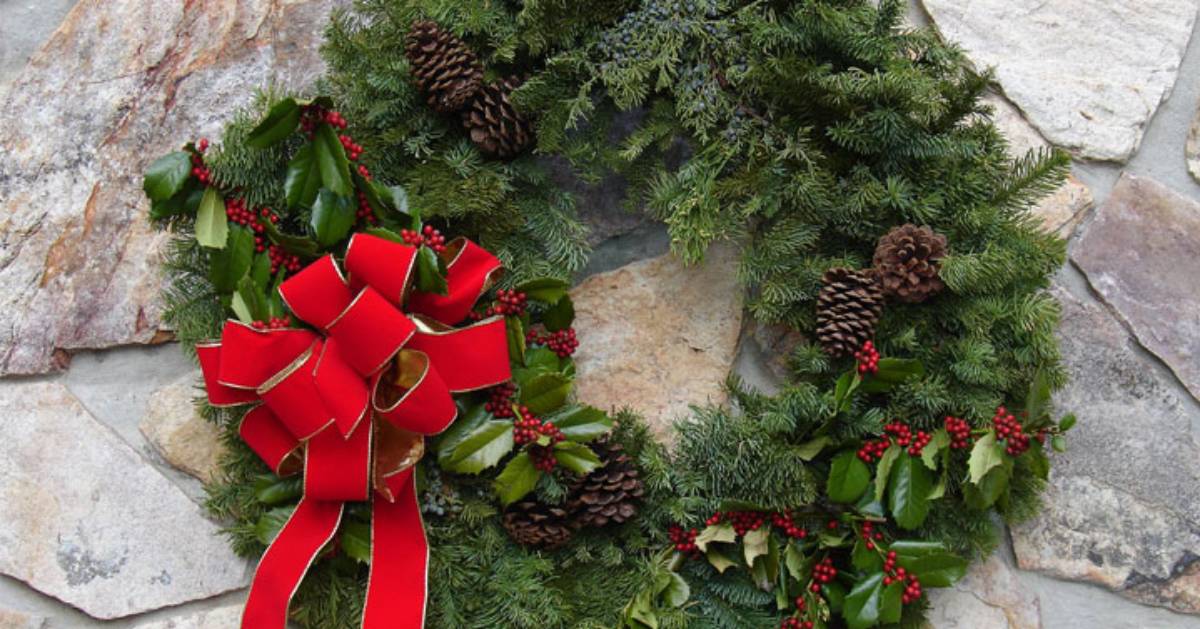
<point>85,520</point>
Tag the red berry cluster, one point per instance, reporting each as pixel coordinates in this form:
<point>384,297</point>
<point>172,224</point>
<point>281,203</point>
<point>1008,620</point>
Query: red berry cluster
<point>745,521</point>
<point>783,520</point>
<point>919,442</point>
<point>508,303</point>
<point>527,427</point>
<point>823,572</point>
<point>314,115</point>
<point>428,237</point>
<point>275,323</point>
<point>500,402</point>
<point>868,359</point>
<point>796,623</point>
<point>199,170</point>
<point>562,342</point>
<point>353,151</point>
<point>960,433</point>
<point>906,439</point>
<point>281,259</point>
<point>364,209</point>
<point>893,574</point>
<point>870,535</point>
<point>1010,430</point>
<point>543,458</point>
<point>871,451</point>
<point>684,541</point>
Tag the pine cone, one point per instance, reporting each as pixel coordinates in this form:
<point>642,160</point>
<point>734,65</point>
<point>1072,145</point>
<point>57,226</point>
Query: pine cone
<point>446,70</point>
<point>538,525</point>
<point>906,260</point>
<point>848,307</point>
<point>495,126</point>
<point>610,492</point>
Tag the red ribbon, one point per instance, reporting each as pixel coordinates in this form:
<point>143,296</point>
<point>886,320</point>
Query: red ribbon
<point>313,390</point>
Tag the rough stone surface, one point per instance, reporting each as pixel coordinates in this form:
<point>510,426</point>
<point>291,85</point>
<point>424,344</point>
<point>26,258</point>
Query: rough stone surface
<point>1115,514</point>
<point>219,618</point>
<point>178,433</point>
<point>990,596</point>
<point>12,619</point>
<point>83,519</point>
<point>119,83</point>
<point>1088,74</point>
<point>1062,211</point>
<point>1193,148</point>
<point>777,342</point>
<point>657,336</point>
<point>25,26</point>
<point>1142,253</point>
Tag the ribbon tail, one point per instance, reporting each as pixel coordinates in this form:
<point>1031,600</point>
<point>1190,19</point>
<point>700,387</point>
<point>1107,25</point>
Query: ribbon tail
<point>312,525</point>
<point>397,588</point>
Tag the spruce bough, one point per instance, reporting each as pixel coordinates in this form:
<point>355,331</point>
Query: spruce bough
<point>805,131</point>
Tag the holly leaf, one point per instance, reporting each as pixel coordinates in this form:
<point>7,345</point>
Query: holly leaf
<point>395,196</point>
<point>212,226</point>
<point>254,299</point>
<point>1059,443</point>
<point>576,457</point>
<point>848,477</point>
<point>862,605</point>
<point>281,121</point>
<point>242,311</point>
<point>884,469</point>
<point>893,371</point>
<point>295,245</point>
<point>722,533</point>
<point>987,454</point>
<point>186,201</point>
<point>863,559</point>
<point>166,175</point>
<point>545,393</point>
<point>718,560</point>
<point>458,432</point>
<point>331,161</point>
<point>547,290</point>
<point>911,549</point>
<point>332,217</point>
<point>677,591</point>
<point>754,544</point>
<point>303,178</point>
<point>517,479</point>
<point>808,450</point>
<point>270,489</point>
<point>270,523</point>
<point>482,448</point>
<point>429,273</point>
<point>560,316</point>
<point>1066,423</point>
<point>541,359</point>
<point>1038,399</point>
<point>939,570</point>
<point>582,423</point>
<point>988,490</point>
<point>515,332</point>
<point>227,266</point>
<point>844,389</point>
<point>356,540</point>
<point>908,492</point>
<point>889,606</point>
<point>799,566</point>
<point>929,454</point>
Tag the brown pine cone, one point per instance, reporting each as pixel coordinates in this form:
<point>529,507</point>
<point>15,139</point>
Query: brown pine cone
<point>848,307</point>
<point>906,261</point>
<point>610,493</point>
<point>445,69</point>
<point>537,525</point>
<point>494,124</point>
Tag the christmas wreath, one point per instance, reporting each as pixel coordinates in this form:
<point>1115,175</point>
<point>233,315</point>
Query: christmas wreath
<point>375,284</point>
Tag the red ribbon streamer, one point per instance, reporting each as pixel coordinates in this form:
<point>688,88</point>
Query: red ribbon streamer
<point>312,392</point>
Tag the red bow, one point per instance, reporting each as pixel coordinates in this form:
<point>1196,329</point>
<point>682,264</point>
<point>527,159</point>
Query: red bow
<point>370,360</point>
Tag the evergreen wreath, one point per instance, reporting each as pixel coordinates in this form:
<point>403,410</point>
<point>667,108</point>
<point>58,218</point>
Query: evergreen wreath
<point>881,217</point>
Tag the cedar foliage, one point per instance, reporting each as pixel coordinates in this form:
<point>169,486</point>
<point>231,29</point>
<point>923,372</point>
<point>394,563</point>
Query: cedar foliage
<point>803,129</point>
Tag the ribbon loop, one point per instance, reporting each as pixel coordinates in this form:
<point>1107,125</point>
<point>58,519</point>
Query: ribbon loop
<point>469,272</point>
<point>381,263</point>
<point>318,294</point>
<point>370,331</point>
<point>412,395</point>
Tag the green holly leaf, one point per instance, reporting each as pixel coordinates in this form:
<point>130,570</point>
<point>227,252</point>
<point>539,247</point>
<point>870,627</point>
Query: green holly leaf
<point>270,523</point>
<point>939,570</point>
<point>798,565</point>
<point>212,226</point>
<point>560,316</point>
<point>463,427</point>
<point>718,560</point>
<point>929,454</point>
<point>848,477</point>
<point>863,559</point>
<point>911,549</point>
<point>1058,443</point>
<point>515,331</point>
<point>677,591</point>
<point>167,175</point>
<point>844,390</point>
<point>431,276</point>
<point>332,217</point>
<point>576,457</point>
<point>835,593</point>
<point>890,604</point>
<point>988,490</point>
<point>482,448</point>
<point>755,545</point>
<point>862,605</point>
<point>517,479</point>
<point>545,393</point>
<point>252,296</point>
<point>1037,401</point>
<point>722,533</point>
<point>270,489</point>
<point>356,540</point>
<point>582,423</point>
<point>808,450</point>
<point>892,372</point>
<point>547,290</point>
<point>295,245</point>
<point>908,492</point>
<point>227,266</point>
<point>884,469</point>
<point>1066,423</point>
<point>985,455</point>
<point>303,179</point>
<point>332,162</point>
<point>186,201</point>
<point>281,121</point>
<point>395,196</point>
